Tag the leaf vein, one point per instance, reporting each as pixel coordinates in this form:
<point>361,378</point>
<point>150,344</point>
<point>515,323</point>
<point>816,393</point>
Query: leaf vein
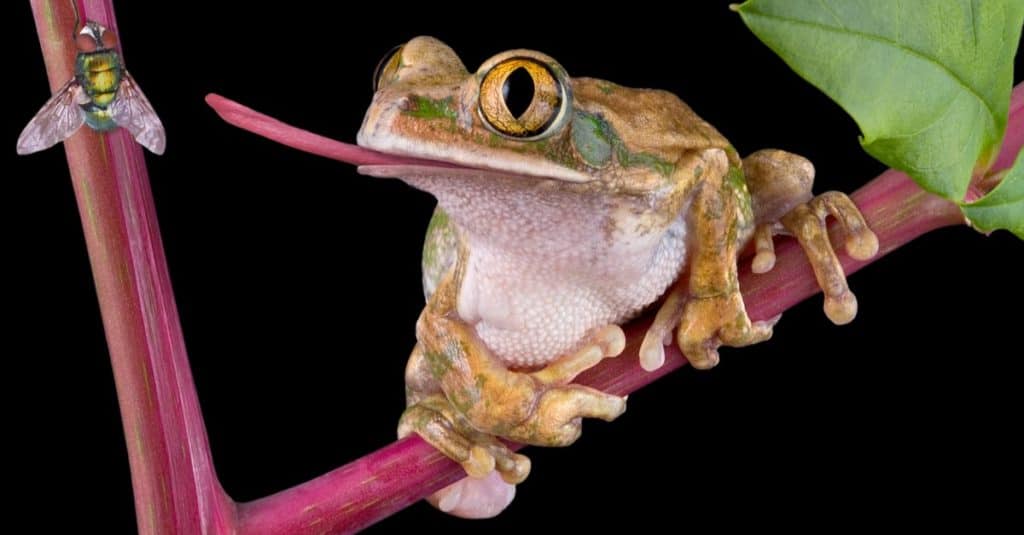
<point>947,107</point>
<point>974,25</point>
<point>835,16</point>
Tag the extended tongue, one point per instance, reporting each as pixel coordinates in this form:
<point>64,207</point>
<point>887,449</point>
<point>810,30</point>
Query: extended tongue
<point>263,125</point>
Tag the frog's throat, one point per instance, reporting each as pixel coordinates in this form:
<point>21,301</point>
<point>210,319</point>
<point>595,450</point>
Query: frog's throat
<point>547,222</point>
<point>500,208</point>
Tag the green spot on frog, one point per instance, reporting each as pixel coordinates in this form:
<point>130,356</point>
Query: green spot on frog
<point>558,152</point>
<point>591,140</point>
<point>462,400</point>
<point>428,108</point>
<point>633,159</point>
<point>595,140</point>
<point>438,223</point>
<point>737,183</point>
<point>734,179</point>
<point>438,362</point>
<point>438,248</point>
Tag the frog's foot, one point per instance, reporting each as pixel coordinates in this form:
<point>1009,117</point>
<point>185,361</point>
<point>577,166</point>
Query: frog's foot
<point>557,420</point>
<point>606,342</point>
<point>560,406</point>
<point>709,322</point>
<point>705,324</point>
<point>807,223</point>
<point>659,334</point>
<point>475,497</point>
<point>433,419</point>
<point>764,247</point>
<point>493,469</point>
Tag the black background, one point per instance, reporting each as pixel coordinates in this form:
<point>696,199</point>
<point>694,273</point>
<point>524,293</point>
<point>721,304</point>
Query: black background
<point>298,286</point>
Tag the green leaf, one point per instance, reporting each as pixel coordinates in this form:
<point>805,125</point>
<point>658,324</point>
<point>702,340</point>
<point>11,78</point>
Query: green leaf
<point>928,81</point>
<point>1003,207</point>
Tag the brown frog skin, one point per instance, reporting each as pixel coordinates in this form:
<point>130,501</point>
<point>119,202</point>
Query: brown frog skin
<point>560,217</point>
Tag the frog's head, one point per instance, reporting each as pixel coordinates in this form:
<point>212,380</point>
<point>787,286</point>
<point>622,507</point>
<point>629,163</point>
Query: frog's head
<point>521,115</point>
<point>510,116</point>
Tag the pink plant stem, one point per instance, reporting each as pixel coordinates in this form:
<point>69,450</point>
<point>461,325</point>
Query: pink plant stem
<point>176,490</point>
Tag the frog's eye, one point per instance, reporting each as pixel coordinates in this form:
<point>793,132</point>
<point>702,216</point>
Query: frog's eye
<point>521,97</point>
<point>387,68</point>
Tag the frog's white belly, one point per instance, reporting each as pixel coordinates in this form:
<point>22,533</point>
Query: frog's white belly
<point>530,310</point>
<point>549,262</point>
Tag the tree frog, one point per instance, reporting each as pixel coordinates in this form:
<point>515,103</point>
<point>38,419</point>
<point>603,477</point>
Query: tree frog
<point>566,206</point>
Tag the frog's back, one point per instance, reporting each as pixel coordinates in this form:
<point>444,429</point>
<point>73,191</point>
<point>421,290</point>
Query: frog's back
<point>648,120</point>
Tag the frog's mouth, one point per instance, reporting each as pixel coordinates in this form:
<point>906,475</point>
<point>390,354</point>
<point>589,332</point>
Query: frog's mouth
<point>370,162</point>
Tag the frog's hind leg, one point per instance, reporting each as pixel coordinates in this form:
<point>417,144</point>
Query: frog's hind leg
<point>430,414</point>
<point>780,184</point>
<point>493,468</point>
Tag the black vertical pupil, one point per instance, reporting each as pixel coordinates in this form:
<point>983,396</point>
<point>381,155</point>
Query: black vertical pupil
<point>518,91</point>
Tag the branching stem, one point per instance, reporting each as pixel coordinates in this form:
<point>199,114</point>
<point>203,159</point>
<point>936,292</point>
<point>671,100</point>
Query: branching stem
<point>176,489</point>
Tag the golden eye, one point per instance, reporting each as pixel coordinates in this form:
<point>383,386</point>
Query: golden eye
<point>521,97</point>
<point>387,68</point>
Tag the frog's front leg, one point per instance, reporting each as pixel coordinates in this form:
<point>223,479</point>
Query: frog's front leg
<point>539,407</point>
<point>780,184</point>
<point>710,312</point>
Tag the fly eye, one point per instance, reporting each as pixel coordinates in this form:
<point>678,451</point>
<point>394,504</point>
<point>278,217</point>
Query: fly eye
<point>85,42</point>
<point>109,39</point>
<point>387,68</point>
<point>521,97</point>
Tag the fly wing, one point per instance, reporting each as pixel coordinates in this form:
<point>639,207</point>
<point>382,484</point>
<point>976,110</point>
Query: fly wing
<point>133,112</point>
<point>56,121</point>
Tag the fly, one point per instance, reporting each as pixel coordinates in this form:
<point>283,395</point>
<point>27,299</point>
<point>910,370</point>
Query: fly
<point>102,95</point>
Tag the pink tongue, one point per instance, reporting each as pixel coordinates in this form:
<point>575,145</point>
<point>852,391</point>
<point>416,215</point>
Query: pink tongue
<point>297,138</point>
